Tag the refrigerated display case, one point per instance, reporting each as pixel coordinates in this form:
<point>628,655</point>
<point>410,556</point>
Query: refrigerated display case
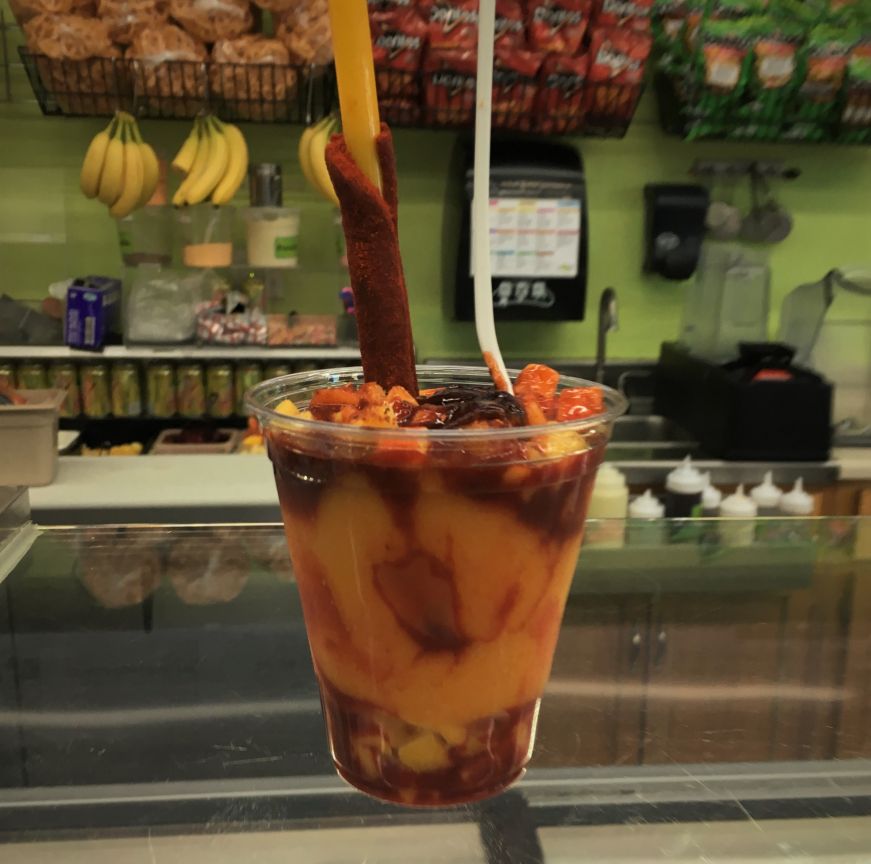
<point>707,703</point>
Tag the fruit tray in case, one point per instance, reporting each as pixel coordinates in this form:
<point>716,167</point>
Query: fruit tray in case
<point>180,89</point>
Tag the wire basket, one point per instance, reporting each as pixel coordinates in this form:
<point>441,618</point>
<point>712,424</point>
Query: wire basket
<point>447,101</point>
<point>684,110</point>
<point>180,89</point>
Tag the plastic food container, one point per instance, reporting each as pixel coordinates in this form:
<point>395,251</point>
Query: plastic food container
<point>28,439</point>
<point>175,441</point>
<point>272,236</point>
<point>208,236</point>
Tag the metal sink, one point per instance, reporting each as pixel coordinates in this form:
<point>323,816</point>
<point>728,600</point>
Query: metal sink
<point>646,437</point>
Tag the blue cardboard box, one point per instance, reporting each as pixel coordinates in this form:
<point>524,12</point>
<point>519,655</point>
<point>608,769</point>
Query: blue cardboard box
<point>93,312</point>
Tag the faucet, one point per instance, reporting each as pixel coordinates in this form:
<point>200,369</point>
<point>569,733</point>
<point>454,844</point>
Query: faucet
<point>607,322</point>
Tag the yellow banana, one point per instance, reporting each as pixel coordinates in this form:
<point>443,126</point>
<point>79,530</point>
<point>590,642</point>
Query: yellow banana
<point>237,165</point>
<point>303,153</point>
<point>200,161</point>
<point>184,159</point>
<point>211,175</point>
<point>131,190</point>
<point>92,165</point>
<point>150,171</point>
<point>150,166</point>
<point>318,161</point>
<point>112,175</point>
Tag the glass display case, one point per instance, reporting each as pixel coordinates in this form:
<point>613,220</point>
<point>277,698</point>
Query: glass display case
<point>710,701</point>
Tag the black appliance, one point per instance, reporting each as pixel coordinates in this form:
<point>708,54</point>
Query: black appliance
<point>757,407</point>
<point>538,231</point>
<point>674,228</point>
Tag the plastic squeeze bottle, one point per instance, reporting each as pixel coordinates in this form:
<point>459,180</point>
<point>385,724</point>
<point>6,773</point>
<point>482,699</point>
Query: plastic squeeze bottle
<point>711,498</point>
<point>683,491</point>
<point>767,496</point>
<point>609,501</point>
<point>742,508</point>
<point>646,527</point>
<point>797,502</point>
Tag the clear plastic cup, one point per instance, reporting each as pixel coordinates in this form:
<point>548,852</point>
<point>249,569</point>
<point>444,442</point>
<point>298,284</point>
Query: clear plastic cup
<point>433,567</point>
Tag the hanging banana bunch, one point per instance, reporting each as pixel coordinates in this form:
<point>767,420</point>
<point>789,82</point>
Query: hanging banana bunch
<point>119,168</point>
<point>214,160</point>
<point>312,157</point>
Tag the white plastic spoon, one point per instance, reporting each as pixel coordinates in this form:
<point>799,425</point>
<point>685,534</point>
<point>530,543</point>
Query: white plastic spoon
<point>485,324</point>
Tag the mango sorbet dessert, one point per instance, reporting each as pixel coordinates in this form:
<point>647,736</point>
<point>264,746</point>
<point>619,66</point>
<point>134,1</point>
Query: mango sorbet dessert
<point>433,537</point>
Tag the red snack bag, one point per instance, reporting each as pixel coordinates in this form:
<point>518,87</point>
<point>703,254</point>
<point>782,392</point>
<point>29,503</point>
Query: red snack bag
<point>514,86</point>
<point>617,60</point>
<point>398,38</point>
<point>449,85</point>
<point>451,23</point>
<point>618,55</point>
<point>632,14</point>
<point>560,105</point>
<point>510,31</point>
<point>557,26</point>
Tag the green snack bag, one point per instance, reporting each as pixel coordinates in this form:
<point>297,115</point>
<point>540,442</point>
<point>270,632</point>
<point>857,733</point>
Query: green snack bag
<point>824,67</point>
<point>721,74</point>
<point>807,13</point>
<point>668,24</point>
<point>773,74</point>
<point>856,113</point>
<point>734,10</point>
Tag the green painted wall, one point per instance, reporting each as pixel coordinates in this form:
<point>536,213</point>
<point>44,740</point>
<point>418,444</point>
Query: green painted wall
<point>48,231</point>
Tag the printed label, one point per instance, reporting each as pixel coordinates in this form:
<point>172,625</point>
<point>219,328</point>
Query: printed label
<point>536,237</point>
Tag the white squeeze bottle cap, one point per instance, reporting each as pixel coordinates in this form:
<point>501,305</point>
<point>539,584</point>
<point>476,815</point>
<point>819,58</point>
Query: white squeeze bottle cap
<point>797,502</point>
<point>738,505</point>
<point>711,495</point>
<point>766,495</point>
<point>646,507</point>
<point>686,479</point>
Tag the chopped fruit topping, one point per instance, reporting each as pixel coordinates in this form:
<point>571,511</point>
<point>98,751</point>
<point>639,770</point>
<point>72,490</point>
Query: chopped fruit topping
<point>537,383</point>
<point>455,406</point>
<point>327,401</point>
<point>575,403</point>
<point>424,753</point>
<point>288,408</point>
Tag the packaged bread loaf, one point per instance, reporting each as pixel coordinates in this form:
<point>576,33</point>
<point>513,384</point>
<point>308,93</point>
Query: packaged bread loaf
<point>125,18</point>
<point>75,61</point>
<point>211,20</point>
<point>168,69</point>
<point>253,76</point>
<point>305,30</point>
<point>24,10</point>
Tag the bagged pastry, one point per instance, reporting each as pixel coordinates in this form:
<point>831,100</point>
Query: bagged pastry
<point>24,10</point>
<point>253,75</point>
<point>125,18</point>
<point>305,30</point>
<point>75,62</point>
<point>211,20</point>
<point>168,70</point>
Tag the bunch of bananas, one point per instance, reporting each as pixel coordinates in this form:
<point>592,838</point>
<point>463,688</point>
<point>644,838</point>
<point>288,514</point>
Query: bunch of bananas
<point>120,168</point>
<point>312,157</point>
<point>214,160</point>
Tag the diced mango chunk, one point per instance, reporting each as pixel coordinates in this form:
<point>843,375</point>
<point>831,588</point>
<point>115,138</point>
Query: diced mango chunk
<point>288,408</point>
<point>424,753</point>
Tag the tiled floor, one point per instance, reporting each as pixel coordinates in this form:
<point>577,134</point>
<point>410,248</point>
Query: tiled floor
<point>822,841</point>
